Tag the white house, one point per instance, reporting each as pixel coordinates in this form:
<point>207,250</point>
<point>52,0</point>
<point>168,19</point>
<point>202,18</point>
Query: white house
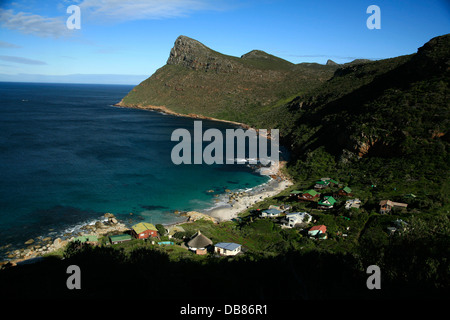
<point>271,213</point>
<point>227,248</point>
<point>352,203</point>
<point>296,217</point>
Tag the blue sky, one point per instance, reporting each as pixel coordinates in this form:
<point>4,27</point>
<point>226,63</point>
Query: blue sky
<point>129,40</point>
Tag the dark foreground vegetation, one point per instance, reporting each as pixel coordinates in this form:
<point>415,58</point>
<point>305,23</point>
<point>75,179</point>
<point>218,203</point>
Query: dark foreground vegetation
<point>278,264</point>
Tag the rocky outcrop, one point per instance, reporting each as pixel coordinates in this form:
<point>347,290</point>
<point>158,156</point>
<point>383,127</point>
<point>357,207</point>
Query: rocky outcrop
<point>194,55</point>
<point>331,63</point>
<point>194,216</point>
<point>41,246</point>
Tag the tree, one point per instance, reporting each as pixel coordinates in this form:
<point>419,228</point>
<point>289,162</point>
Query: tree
<point>161,229</point>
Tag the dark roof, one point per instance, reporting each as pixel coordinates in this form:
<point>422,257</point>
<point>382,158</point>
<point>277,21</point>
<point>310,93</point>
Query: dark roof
<point>272,211</point>
<point>199,241</point>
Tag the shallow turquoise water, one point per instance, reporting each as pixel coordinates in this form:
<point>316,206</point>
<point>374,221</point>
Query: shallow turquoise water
<point>67,156</point>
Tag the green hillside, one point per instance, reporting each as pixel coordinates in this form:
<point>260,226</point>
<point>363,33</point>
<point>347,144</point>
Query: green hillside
<point>383,123</point>
<point>198,80</point>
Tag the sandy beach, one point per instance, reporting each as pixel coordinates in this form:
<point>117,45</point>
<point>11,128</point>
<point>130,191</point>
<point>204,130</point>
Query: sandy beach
<point>238,202</point>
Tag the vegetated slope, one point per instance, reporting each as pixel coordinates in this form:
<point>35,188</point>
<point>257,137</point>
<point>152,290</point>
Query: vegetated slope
<point>198,80</point>
<point>384,122</point>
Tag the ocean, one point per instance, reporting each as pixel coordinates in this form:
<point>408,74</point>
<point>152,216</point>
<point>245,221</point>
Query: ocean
<point>68,156</point>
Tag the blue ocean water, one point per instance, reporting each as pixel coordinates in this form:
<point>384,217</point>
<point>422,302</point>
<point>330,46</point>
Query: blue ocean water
<point>67,156</point>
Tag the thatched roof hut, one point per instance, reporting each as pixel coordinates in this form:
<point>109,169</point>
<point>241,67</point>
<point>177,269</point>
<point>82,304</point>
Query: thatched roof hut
<point>199,243</point>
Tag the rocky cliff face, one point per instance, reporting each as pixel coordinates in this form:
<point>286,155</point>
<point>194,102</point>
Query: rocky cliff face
<point>194,55</point>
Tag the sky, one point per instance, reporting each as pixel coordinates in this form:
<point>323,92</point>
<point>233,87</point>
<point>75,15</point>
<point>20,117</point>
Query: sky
<point>125,42</point>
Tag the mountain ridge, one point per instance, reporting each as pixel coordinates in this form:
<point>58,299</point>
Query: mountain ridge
<point>198,80</point>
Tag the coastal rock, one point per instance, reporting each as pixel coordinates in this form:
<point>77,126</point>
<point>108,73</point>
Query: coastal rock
<point>30,241</point>
<point>194,216</point>
<point>113,221</point>
<point>99,225</point>
<point>57,243</point>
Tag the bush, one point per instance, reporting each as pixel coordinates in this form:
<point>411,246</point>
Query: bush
<point>161,230</point>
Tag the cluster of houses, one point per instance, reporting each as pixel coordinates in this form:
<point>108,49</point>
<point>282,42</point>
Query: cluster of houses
<point>294,219</point>
<point>324,202</point>
<point>198,244</point>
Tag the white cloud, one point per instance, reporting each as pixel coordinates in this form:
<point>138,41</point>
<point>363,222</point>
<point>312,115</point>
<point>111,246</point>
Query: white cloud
<point>119,10</point>
<point>34,24</point>
<point>101,10</point>
<point>22,60</point>
<point>4,44</point>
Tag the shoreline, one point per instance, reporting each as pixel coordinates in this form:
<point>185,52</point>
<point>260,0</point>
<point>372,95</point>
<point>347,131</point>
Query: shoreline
<point>240,201</point>
<point>37,247</point>
<point>236,202</point>
<point>245,200</point>
<point>165,110</point>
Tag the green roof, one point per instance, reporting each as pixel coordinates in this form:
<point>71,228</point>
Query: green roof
<point>333,181</point>
<point>142,226</point>
<point>322,182</point>
<point>347,189</point>
<point>86,238</point>
<point>296,191</point>
<point>311,192</point>
<point>120,237</point>
<point>330,199</point>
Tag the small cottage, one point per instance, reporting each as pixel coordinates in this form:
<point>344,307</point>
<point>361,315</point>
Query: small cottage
<point>309,195</point>
<point>326,203</point>
<point>321,184</point>
<point>171,230</point>
<point>387,205</point>
<point>144,230</point>
<point>318,231</point>
<point>227,248</point>
<point>270,213</point>
<point>344,192</point>
<point>119,238</point>
<point>295,218</point>
<point>352,203</point>
<point>199,243</point>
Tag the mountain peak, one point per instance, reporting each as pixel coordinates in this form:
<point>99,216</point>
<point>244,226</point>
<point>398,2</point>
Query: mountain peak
<point>185,48</point>
<point>195,55</point>
<point>256,54</point>
<point>331,63</point>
